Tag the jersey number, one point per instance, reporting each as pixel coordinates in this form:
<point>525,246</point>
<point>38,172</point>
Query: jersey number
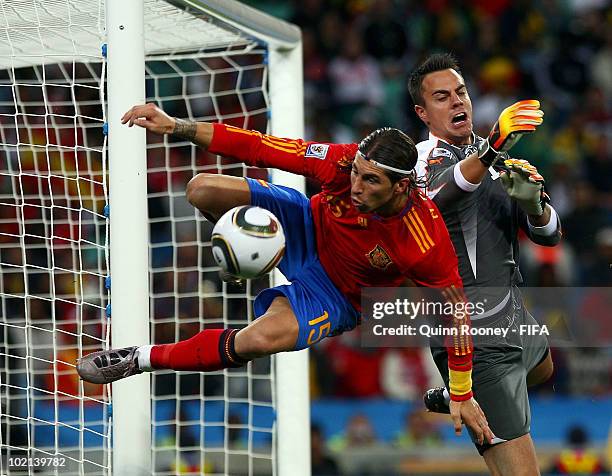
<point>338,206</point>
<point>322,329</point>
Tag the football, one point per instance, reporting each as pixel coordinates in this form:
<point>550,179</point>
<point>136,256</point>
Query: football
<point>248,241</point>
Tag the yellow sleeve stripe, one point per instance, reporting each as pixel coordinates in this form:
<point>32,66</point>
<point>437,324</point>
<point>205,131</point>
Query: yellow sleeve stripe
<point>455,293</point>
<point>461,338</point>
<point>237,130</point>
<point>414,234</point>
<point>452,294</point>
<point>281,141</point>
<point>447,295</point>
<point>283,145</point>
<point>289,148</point>
<point>418,219</point>
<point>462,341</point>
<point>460,382</point>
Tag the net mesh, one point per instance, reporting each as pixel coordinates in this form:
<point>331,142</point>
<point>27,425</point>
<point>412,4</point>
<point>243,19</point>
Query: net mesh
<point>53,265</point>
<point>220,422</point>
<point>54,242</point>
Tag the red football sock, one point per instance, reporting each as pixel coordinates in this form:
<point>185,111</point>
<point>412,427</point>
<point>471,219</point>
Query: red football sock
<point>211,349</point>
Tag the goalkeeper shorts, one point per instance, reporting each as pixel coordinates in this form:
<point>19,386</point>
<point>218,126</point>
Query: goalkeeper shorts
<point>500,373</point>
<point>320,308</point>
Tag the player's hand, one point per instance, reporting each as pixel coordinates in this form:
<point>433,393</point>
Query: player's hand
<point>150,117</point>
<point>524,184</point>
<point>474,418</point>
<point>521,118</point>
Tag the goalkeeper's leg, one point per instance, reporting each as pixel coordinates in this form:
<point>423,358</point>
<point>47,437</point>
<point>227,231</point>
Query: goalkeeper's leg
<point>437,399</point>
<point>542,372</point>
<point>209,350</point>
<point>516,457</point>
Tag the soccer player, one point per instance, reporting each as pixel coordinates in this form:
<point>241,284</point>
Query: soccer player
<point>370,226</point>
<point>485,198</point>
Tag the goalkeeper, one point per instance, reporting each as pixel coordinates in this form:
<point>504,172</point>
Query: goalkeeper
<point>485,198</point>
<point>371,226</point>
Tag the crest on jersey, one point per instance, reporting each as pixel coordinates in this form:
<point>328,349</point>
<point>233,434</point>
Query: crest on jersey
<point>469,150</point>
<point>379,258</point>
<point>317,151</point>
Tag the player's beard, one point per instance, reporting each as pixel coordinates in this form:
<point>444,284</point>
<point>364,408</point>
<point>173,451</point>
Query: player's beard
<point>362,208</point>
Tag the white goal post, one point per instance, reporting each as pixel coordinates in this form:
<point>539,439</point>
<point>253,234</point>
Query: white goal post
<point>112,49</point>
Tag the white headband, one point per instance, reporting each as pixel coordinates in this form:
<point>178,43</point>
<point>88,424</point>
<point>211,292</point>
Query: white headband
<point>384,166</point>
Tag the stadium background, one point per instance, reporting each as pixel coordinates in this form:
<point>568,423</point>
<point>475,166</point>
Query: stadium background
<point>357,55</point>
<point>366,403</point>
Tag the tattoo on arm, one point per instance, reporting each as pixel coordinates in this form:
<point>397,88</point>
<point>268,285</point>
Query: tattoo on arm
<point>185,129</point>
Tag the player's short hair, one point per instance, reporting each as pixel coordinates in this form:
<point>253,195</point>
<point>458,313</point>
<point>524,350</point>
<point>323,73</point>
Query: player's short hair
<point>433,63</point>
<point>391,147</point>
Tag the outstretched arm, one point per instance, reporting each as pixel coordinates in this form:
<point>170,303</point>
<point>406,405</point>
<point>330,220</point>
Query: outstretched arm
<point>521,118</point>
<point>318,161</point>
<point>154,119</point>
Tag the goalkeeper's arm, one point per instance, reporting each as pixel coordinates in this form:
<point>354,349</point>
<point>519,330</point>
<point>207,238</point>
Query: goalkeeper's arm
<point>521,118</point>
<point>525,186</point>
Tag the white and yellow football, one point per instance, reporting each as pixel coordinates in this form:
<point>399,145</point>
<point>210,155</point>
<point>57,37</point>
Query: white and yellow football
<point>248,241</point>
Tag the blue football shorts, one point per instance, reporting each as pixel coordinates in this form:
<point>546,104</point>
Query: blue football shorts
<point>321,310</point>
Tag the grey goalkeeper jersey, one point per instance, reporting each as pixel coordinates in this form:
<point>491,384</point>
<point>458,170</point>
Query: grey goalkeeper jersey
<point>483,222</point>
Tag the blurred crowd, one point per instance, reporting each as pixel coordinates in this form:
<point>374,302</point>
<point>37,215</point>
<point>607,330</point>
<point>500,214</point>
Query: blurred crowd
<point>357,57</point>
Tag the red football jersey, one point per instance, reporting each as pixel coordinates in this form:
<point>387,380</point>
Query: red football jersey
<point>356,249</point>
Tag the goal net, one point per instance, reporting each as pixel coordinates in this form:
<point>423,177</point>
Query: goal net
<point>55,248</point>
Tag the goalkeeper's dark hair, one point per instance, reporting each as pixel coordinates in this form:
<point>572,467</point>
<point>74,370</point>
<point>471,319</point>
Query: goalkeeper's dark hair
<point>390,146</point>
<point>433,63</point>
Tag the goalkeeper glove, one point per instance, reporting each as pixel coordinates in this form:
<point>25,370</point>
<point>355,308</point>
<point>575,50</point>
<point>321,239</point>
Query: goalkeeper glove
<point>521,118</point>
<point>524,184</point>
